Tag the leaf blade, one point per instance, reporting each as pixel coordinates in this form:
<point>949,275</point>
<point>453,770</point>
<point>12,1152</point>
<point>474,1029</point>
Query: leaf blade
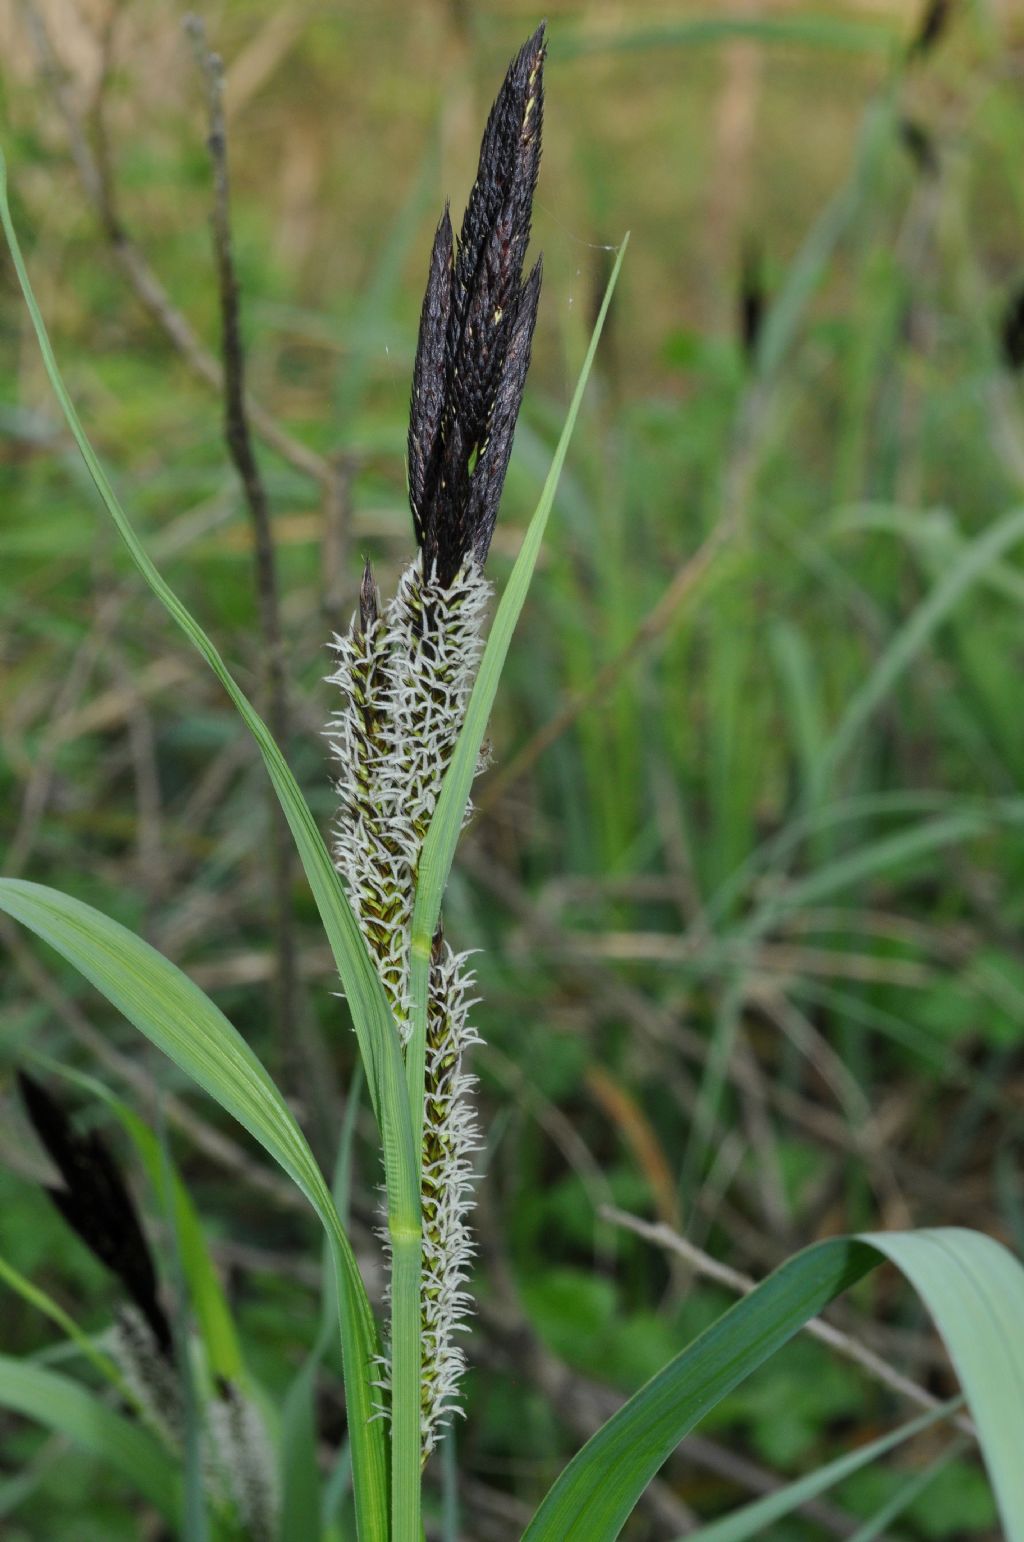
<point>592,1498</point>
<point>176,1016</point>
<point>750,1520</point>
<point>974,1289</point>
<point>72,1410</point>
<point>949,1267</point>
<point>371,1016</point>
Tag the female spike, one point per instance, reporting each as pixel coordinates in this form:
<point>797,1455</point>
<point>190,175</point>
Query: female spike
<point>406,673</point>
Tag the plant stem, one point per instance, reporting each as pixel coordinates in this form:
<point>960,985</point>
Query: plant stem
<point>406,1463</point>
<point>420,946</point>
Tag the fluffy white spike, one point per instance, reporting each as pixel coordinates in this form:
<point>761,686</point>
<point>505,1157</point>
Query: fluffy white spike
<point>406,678</point>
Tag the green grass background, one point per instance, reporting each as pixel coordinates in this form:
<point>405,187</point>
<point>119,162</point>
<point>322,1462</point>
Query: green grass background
<point>750,923</point>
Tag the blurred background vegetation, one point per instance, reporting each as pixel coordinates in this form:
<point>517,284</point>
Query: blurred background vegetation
<point>747,875</point>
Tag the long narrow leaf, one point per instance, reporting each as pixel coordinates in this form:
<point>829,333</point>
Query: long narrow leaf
<point>17,1490</point>
<point>906,1495</point>
<point>749,1521</point>
<point>372,1019</point>
<point>974,1289</point>
<point>176,1016</point>
<point>72,1410</point>
<point>972,1286</point>
<point>44,1303</point>
<point>300,1475</point>
<point>974,561</point>
<point>595,1494</point>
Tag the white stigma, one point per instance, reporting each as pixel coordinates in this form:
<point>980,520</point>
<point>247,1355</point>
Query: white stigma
<point>406,681</point>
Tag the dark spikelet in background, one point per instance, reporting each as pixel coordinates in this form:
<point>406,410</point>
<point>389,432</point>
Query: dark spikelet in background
<point>96,1203</point>
<point>1011,330</point>
<point>935,19</point>
<point>752,300</point>
<point>476,327</point>
<point>919,145</point>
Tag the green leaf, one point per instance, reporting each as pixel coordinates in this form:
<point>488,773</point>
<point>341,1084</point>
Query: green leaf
<point>594,1495</point>
<point>378,1040</point>
<point>974,1289</point>
<point>853,870</point>
<point>195,1511</point>
<point>64,1406</point>
<point>797,664</point>
<point>335,1490</point>
<point>374,1026</point>
<point>206,1296</point>
<point>17,1490</point>
<point>301,1501</point>
<point>908,1494</point>
<point>752,1518</point>
<point>845,210</point>
<point>37,1297</point>
<point>176,1016</point>
<point>974,562</point>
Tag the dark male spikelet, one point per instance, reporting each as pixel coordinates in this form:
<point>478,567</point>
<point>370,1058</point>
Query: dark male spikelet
<point>476,328</point>
<point>753,301</point>
<point>96,1203</point>
<point>1011,330</point>
<point>934,21</point>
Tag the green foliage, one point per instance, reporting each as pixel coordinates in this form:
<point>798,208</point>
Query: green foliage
<point>789,828</point>
<point>70,1409</point>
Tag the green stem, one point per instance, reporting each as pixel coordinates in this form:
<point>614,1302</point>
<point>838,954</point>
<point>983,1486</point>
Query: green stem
<point>369,1466</point>
<point>420,944</point>
<point>406,1460</point>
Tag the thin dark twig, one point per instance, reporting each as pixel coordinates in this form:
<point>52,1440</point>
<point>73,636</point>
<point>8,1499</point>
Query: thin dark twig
<point>843,1343</point>
<point>93,166</point>
<point>240,447</point>
<point>335,592</point>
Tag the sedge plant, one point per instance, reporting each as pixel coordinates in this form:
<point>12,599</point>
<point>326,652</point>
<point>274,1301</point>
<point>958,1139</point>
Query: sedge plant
<point>416,676</point>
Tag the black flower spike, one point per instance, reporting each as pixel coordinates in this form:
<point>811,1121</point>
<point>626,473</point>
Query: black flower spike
<point>1011,330</point>
<point>476,327</point>
<point>96,1204</point>
<point>919,145</point>
<point>935,19</point>
<point>752,300</point>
